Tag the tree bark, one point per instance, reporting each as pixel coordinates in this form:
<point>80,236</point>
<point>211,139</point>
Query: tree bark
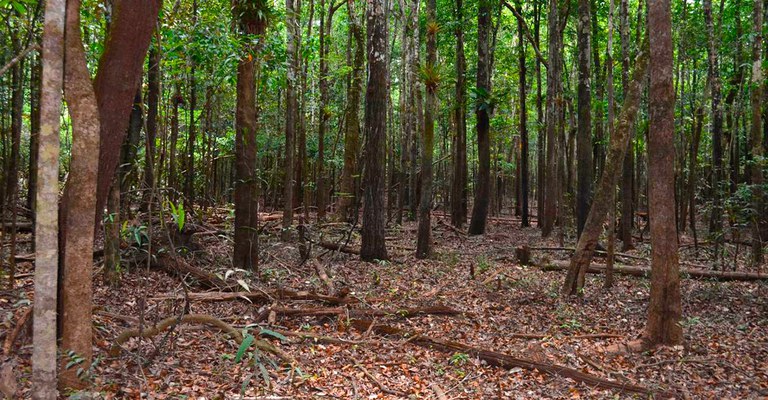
<point>524,156</point>
<point>553,123</point>
<point>46,211</point>
<point>252,21</point>
<point>585,248</point>
<point>291,112</point>
<point>664,310</point>
<point>459,183</point>
<point>153,101</point>
<point>482,115</point>
<point>348,188</point>
<point>119,72</point>
<point>628,167</point>
<point>584,136</point>
<point>77,206</point>
<point>713,70</point>
<point>373,230</point>
<point>424,235</point>
<point>758,204</point>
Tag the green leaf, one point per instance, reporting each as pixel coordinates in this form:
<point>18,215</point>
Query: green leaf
<point>277,335</point>
<point>247,341</point>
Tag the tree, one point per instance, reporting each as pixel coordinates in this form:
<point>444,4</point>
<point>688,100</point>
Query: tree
<point>431,79</point>
<point>627,184</point>
<point>713,71</point>
<point>118,75</point>
<point>291,111</point>
<point>553,121</point>
<point>755,132</point>
<point>524,173</point>
<point>665,310</point>
<point>348,188</point>
<point>459,183</point>
<point>153,103</point>
<point>373,231</point>
<point>584,135</point>
<point>251,17</point>
<point>78,202</point>
<point>587,243</point>
<point>482,113</point>
<point>47,217</point>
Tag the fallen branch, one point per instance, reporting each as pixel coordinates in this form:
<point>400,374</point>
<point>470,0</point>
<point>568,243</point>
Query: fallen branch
<point>195,319</point>
<point>340,247</point>
<point>14,334</point>
<point>645,272</point>
<point>357,313</point>
<point>506,361</point>
<point>260,296</point>
<point>379,384</point>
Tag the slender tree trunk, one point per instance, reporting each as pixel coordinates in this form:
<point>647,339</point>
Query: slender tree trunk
<point>524,156</point>
<point>424,236</point>
<point>153,101</point>
<point>171,180</point>
<point>252,21</point>
<point>119,73</point>
<point>348,187</point>
<point>44,354</point>
<point>585,248</point>
<point>664,310</point>
<point>715,222</point>
<point>373,231</point>
<point>482,115</point>
<point>459,183</point>
<point>34,131</point>
<point>553,121</point>
<point>291,112</point>
<point>628,167</point>
<point>584,137</point>
<point>755,133</point>
<point>541,131</point>
<point>77,206</point>
<point>189,182</point>
<point>415,109</point>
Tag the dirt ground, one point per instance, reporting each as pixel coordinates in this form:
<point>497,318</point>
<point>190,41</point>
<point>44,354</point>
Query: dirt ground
<point>506,307</point>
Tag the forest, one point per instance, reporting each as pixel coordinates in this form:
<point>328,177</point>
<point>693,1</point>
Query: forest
<point>383,199</point>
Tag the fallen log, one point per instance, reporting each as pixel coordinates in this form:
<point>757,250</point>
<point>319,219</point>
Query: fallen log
<point>262,296</point>
<point>506,361</point>
<point>645,272</point>
<point>21,227</point>
<point>340,247</point>
<point>178,265</point>
<point>358,312</point>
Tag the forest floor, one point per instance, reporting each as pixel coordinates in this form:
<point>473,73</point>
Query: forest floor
<point>507,308</point>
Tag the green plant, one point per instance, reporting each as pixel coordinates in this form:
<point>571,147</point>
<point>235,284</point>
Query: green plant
<point>459,359</point>
<point>178,214</point>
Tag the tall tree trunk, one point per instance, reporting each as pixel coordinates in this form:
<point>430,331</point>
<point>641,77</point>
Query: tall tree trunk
<point>664,310</point>
<point>291,112</point>
<point>482,115</point>
<point>252,21</point>
<point>584,137</point>
<point>715,222</point>
<point>628,167</point>
<point>153,101</point>
<point>35,84</point>
<point>585,248</point>
<point>189,182</point>
<point>77,206</point>
<point>172,146</point>
<point>424,236</point>
<point>348,187</point>
<point>119,72</point>
<point>44,354</point>
<point>414,108</point>
<point>373,230</point>
<point>541,130</point>
<point>129,149</point>
<point>755,132</point>
<point>524,156</point>
<point>459,183</point>
<point>553,121</point>
<point>325,113</point>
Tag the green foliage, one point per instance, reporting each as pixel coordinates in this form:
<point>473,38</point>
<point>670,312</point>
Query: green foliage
<point>178,214</point>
